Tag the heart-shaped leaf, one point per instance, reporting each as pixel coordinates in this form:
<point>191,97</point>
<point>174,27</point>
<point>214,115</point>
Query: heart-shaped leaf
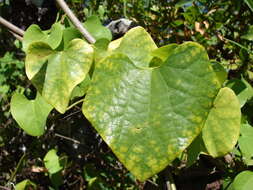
<point>55,74</point>
<point>31,115</point>
<point>34,34</point>
<point>148,116</point>
<point>52,162</point>
<point>222,127</point>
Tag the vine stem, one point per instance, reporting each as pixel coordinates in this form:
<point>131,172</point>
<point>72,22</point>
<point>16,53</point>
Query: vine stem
<point>170,184</point>
<point>74,104</point>
<point>18,37</point>
<point>76,22</point>
<point>11,27</point>
<point>16,169</point>
<point>124,8</point>
<point>67,138</point>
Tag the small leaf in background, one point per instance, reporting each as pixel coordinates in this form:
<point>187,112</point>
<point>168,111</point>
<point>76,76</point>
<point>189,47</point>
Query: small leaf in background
<point>243,181</point>
<point>242,89</point>
<point>97,30</point>
<point>184,3</point>
<point>52,37</point>
<point>31,115</point>
<point>222,127</point>
<point>69,34</point>
<point>26,185</point>
<point>56,179</point>
<point>246,143</point>
<point>220,72</point>
<point>250,4</point>
<point>81,89</point>
<point>56,74</point>
<point>93,177</point>
<point>52,162</point>
<point>249,34</point>
<point>38,3</point>
<point>101,49</point>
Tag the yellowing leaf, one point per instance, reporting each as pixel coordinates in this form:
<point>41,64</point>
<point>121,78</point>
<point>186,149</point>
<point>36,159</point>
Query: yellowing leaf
<point>148,116</point>
<point>55,74</point>
<point>52,37</point>
<point>222,127</point>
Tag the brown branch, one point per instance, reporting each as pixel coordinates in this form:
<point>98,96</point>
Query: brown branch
<point>4,188</point>
<point>67,138</point>
<point>75,21</point>
<point>20,38</point>
<point>11,27</point>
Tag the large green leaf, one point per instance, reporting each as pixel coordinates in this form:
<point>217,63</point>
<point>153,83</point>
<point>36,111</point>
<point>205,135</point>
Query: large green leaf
<point>34,34</point>
<point>55,74</point>
<point>137,44</point>
<point>148,116</point>
<point>222,127</point>
<point>246,143</point>
<point>31,115</point>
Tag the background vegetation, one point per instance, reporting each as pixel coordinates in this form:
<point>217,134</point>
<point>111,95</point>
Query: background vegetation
<point>224,28</point>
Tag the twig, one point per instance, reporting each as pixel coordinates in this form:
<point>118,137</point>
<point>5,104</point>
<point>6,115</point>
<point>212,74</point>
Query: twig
<point>16,169</point>
<point>67,138</point>
<point>75,21</point>
<point>69,115</point>
<point>11,27</point>
<point>4,188</point>
<point>239,45</point>
<point>170,184</point>
<point>74,104</point>
<point>16,36</point>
